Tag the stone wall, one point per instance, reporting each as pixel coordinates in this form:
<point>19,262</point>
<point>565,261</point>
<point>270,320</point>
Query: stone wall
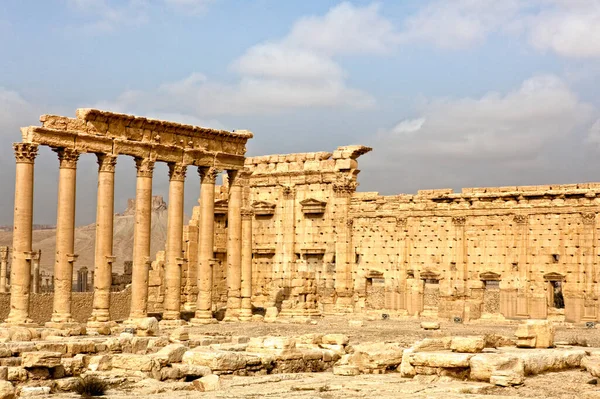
<point>40,306</point>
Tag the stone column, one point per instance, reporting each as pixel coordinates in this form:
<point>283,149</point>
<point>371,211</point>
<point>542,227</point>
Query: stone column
<point>20,271</point>
<point>35,273</point>
<point>172,303</point>
<point>343,189</point>
<point>141,238</point>
<point>246,289</point>
<point>65,237</point>
<point>234,246</point>
<point>206,245</point>
<point>103,258</point>
<point>3,268</point>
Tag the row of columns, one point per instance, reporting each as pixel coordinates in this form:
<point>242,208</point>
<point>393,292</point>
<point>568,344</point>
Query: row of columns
<point>239,256</point>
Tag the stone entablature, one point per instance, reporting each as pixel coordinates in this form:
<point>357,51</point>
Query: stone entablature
<point>96,131</point>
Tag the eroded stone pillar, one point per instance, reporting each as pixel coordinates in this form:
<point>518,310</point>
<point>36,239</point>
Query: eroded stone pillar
<point>174,260</point>
<point>208,177</point>
<point>141,238</point>
<point>246,283</point>
<point>234,246</point>
<point>65,236</point>
<point>103,258</point>
<point>3,268</point>
<point>20,272</point>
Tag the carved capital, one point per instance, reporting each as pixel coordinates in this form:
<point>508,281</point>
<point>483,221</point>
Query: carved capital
<point>459,220</point>
<point>235,178</point>
<point>344,187</point>
<point>25,152</point>
<point>588,218</point>
<point>144,166</point>
<point>67,157</point>
<point>208,174</point>
<point>400,222</point>
<point>106,162</point>
<point>177,171</point>
<point>350,222</point>
<point>288,192</point>
<point>520,219</point>
<point>247,213</point>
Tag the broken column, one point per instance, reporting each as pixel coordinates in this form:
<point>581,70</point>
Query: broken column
<point>65,239</point>
<point>141,238</point>
<point>208,177</point>
<point>20,273</point>
<point>172,303</point>
<point>103,258</point>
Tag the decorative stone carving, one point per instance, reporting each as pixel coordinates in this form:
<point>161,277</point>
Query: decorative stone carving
<point>520,219</point>
<point>106,162</point>
<point>208,174</point>
<point>553,276</point>
<point>349,223</point>
<point>288,192</point>
<point>588,217</point>
<point>145,167</point>
<point>489,276</point>
<point>263,208</point>
<point>247,213</point>
<point>263,251</point>
<point>401,222</point>
<point>67,157</point>
<point>177,171</point>
<point>313,206</point>
<point>459,220</point>
<point>25,153</point>
<point>344,187</point>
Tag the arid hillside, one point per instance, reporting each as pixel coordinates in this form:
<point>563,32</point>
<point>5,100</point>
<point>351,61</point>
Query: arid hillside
<point>85,237</point>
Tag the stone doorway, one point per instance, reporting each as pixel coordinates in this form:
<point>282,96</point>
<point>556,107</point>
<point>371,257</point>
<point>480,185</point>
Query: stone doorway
<point>375,290</point>
<point>554,296</point>
<point>491,293</point>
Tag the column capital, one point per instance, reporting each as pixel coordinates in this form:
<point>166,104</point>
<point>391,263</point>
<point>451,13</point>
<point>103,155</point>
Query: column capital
<point>177,171</point>
<point>25,152</point>
<point>208,174</point>
<point>106,162</point>
<point>247,213</point>
<point>144,166</point>
<point>67,157</point>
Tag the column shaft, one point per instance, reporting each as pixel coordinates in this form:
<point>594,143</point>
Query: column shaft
<point>234,245</point>
<point>3,267</point>
<point>103,258</point>
<point>65,236</point>
<point>20,272</point>
<point>246,290</point>
<point>172,303</point>
<point>141,238</point>
<point>206,242</point>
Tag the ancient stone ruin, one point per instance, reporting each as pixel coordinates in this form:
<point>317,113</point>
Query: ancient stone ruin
<point>287,239</point>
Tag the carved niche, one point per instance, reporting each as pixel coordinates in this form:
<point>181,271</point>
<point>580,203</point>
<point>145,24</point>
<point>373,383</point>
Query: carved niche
<point>553,276</point>
<point>263,208</point>
<point>489,276</point>
<point>311,206</point>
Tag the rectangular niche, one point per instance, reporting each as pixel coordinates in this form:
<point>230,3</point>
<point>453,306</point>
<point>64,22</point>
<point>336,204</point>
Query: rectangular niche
<point>263,208</point>
<point>313,206</point>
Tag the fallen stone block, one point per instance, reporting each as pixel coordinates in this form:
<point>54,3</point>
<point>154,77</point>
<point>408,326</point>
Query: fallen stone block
<point>134,362</point>
<point>592,365</point>
<point>208,383</point>
<point>40,359</point>
<point>379,356</point>
<point>30,392</point>
<point>180,334</point>
<point>510,373</point>
<point>77,347</point>
<point>220,361</point>
<point>473,344</point>
<point>20,334</point>
<point>346,370</point>
<point>432,344</point>
<point>335,339</point>
<point>172,353</point>
<point>484,364</point>
<point>190,371</point>
<point>99,363</point>
<point>17,374</point>
<point>407,370</point>
<point>535,334</point>
<point>542,360</point>
<point>430,325</point>
<point>441,359</point>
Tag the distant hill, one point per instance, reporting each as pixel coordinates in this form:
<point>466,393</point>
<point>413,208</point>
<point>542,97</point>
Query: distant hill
<point>85,236</point>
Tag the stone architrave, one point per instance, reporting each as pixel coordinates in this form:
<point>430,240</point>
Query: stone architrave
<point>208,177</point>
<point>246,267</point>
<point>172,302</point>
<point>20,272</point>
<point>234,246</point>
<point>65,236</point>
<point>103,258</point>
<point>141,238</point>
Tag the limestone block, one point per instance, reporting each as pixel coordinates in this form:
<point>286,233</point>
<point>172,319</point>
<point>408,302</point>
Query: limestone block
<point>66,384</point>
<point>432,344</point>
<point>17,374</point>
<point>7,390</point>
<point>279,343</point>
<point>41,359</point>
<point>309,339</point>
<point>592,365</point>
<point>139,345</point>
<point>338,350</point>
<point>3,373</point>
<point>484,364</point>
<point>535,334</point>
<point>508,374</point>
<point>346,370</point>
<point>215,360</point>
<point>355,323</point>
<point>430,325</point>
<point>74,348</point>
<point>376,356</point>
<point>51,347</point>
<point>180,334</point>
<point>5,352</point>
<point>335,339</point>
<point>191,371</point>
<point>541,360</point>
<point>172,353</point>
<point>146,326</point>
<point>134,362</point>
<point>271,314</point>
<point>407,370</point>
<point>99,363</point>
<point>472,344</point>
<point>208,383</point>
<point>74,366</point>
<point>20,334</point>
<point>30,392</point>
<point>441,359</point>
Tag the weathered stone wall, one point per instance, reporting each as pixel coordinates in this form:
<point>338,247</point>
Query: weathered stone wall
<point>40,306</point>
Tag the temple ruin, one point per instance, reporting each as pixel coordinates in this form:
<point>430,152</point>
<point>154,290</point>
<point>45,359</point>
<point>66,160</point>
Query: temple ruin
<point>288,236</point>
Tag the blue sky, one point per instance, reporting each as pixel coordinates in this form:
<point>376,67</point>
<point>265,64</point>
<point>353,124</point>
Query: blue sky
<point>450,93</point>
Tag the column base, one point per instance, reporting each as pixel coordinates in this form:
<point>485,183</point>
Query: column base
<point>203,317</point>
<point>72,327</point>
<point>100,327</point>
<point>190,306</point>
<point>172,323</point>
<point>27,324</point>
<point>245,315</point>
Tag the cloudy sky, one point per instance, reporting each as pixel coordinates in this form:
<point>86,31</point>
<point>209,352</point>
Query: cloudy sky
<point>449,93</point>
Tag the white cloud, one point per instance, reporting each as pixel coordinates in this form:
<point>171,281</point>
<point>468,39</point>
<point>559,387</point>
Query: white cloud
<point>594,133</point>
<point>513,126</point>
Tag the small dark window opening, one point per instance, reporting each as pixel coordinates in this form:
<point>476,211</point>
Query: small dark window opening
<point>515,265</point>
<point>559,300</point>
<point>357,258</point>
